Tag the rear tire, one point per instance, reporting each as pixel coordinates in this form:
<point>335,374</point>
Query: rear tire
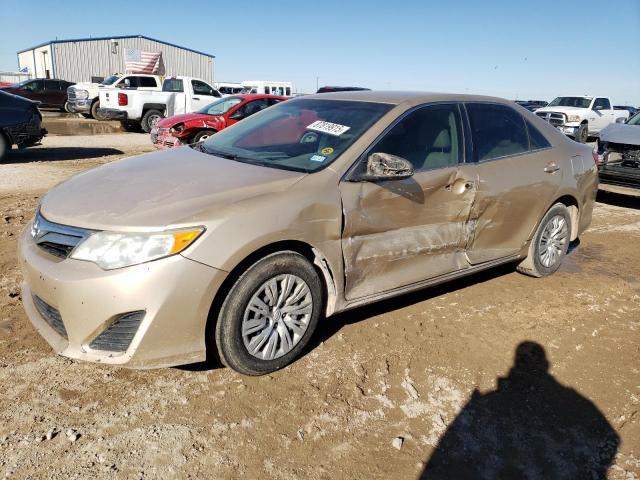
<point>203,135</point>
<point>149,119</point>
<point>549,244</point>
<point>269,314</point>
<point>582,134</point>
<point>5,146</point>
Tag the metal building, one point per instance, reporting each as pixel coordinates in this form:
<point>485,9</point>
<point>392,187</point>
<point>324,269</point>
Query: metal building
<point>91,59</point>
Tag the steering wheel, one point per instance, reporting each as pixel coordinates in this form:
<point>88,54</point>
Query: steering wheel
<point>309,137</point>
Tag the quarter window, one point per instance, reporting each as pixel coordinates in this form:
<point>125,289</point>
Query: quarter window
<point>498,131</point>
<point>537,140</point>
<point>429,137</point>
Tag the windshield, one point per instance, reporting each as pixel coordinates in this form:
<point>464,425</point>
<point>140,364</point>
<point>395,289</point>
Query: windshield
<point>21,84</point>
<point>110,80</point>
<point>580,102</point>
<point>222,106</point>
<point>303,135</point>
<point>635,120</point>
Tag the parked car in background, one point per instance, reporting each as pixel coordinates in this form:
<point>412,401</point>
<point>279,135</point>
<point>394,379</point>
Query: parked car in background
<point>581,116</point>
<point>532,105</point>
<point>619,150</point>
<point>632,110</point>
<point>84,98</point>
<point>266,87</point>
<point>329,89</point>
<point>226,88</point>
<point>49,92</point>
<point>195,127</point>
<point>243,242</point>
<point>144,108</point>
<point>20,123</point>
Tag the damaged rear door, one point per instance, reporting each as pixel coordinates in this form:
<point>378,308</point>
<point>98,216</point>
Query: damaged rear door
<point>400,232</point>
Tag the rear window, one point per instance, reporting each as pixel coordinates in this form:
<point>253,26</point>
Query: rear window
<point>173,85</point>
<point>498,131</point>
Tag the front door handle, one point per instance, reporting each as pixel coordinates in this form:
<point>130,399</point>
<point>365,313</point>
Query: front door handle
<point>551,167</point>
<point>196,98</point>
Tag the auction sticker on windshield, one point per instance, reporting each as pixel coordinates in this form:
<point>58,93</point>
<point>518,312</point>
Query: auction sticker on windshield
<point>334,129</point>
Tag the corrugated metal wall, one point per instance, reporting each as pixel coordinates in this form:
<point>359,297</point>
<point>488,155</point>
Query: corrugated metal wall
<point>79,61</point>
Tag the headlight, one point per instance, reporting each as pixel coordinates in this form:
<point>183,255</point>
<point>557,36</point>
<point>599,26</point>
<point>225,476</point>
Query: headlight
<point>82,94</point>
<point>110,250</point>
<point>573,118</point>
<point>177,128</point>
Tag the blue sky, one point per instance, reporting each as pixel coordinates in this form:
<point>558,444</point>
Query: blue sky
<point>533,49</point>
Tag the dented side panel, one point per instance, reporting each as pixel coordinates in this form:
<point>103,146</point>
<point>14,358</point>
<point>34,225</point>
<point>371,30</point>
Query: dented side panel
<point>400,232</point>
<point>513,194</point>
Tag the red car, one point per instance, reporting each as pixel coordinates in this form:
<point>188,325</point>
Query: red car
<point>195,127</point>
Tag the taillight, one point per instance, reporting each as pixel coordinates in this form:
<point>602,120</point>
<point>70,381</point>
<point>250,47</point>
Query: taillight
<point>123,99</point>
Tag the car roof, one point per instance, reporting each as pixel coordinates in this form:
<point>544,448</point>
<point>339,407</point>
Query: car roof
<point>402,97</point>
<point>254,96</point>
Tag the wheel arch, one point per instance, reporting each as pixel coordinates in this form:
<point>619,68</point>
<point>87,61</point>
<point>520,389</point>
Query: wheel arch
<point>313,255</point>
<point>573,206</point>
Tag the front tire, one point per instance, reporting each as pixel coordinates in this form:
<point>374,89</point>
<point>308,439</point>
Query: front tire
<point>549,244</point>
<point>150,119</point>
<point>582,134</point>
<point>269,314</point>
<point>203,135</point>
<point>94,110</point>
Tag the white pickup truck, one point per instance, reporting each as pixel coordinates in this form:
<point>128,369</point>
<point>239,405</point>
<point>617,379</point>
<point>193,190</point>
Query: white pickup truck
<point>84,98</point>
<point>144,108</point>
<point>581,116</point>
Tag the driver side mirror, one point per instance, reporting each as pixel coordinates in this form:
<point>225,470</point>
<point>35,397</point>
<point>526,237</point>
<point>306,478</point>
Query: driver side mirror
<point>384,166</point>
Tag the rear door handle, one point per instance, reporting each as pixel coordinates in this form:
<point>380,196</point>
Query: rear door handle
<point>196,98</point>
<point>551,167</point>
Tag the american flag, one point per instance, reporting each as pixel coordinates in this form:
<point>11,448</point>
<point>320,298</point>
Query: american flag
<point>136,61</point>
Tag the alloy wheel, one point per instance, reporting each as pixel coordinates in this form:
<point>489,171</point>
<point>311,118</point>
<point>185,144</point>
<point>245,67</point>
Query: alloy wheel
<point>553,240</point>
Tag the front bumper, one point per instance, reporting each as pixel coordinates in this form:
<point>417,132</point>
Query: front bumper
<point>175,294</point>
<point>112,114</point>
<point>80,106</point>
<point>162,138</point>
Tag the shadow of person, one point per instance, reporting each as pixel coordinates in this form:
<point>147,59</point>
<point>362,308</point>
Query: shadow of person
<point>530,427</point>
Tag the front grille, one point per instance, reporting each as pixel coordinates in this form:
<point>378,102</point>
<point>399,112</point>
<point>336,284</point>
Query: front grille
<point>51,315</point>
<point>555,119</point>
<point>118,336</point>
<point>71,94</point>
<point>58,240</point>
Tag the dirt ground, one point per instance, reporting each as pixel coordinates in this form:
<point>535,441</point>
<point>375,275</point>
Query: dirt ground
<point>408,388</point>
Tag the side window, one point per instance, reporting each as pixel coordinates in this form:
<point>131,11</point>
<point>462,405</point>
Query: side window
<point>148,82</point>
<point>603,103</point>
<point>173,85</point>
<point>497,131</point>
<point>253,107</point>
<point>267,90</point>
<point>201,88</point>
<point>537,140</point>
<point>288,91</point>
<point>429,137</point>
<point>35,86</point>
<point>51,85</point>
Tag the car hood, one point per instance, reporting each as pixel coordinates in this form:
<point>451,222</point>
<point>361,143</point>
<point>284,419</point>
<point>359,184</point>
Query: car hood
<point>185,117</point>
<point>621,133</point>
<point>157,190</point>
<point>561,109</point>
